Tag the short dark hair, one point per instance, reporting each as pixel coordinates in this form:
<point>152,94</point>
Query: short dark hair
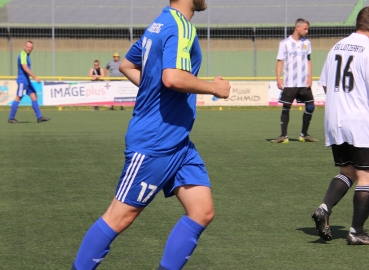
<point>301,20</point>
<point>362,20</point>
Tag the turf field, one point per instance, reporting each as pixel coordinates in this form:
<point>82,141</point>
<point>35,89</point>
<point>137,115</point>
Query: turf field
<point>57,178</point>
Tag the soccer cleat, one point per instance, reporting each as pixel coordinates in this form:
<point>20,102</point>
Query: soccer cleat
<point>307,138</point>
<point>321,219</point>
<point>354,238</point>
<point>43,119</point>
<point>13,121</point>
<point>281,139</point>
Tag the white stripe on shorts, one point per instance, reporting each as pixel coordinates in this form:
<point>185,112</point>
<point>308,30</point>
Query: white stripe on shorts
<point>130,175</point>
<point>20,90</point>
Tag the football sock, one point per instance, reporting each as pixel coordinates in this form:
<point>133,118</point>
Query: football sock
<point>36,108</point>
<point>181,243</point>
<point>306,118</point>
<point>337,188</point>
<point>361,208</point>
<point>95,246</point>
<point>13,109</point>
<point>285,118</point>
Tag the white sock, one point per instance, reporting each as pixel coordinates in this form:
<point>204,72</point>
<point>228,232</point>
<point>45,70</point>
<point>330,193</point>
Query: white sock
<point>324,206</point>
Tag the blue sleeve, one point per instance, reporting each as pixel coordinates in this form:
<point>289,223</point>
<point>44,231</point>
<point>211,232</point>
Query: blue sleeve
<point>134,55</point>
<point>170,51</point>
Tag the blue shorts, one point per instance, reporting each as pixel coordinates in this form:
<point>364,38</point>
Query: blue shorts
<point>144,176</point>
<point>25,88</point>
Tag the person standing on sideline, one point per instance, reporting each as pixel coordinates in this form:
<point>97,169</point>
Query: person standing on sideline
<point>345,79</point>
<point>294,55</point>
<point>113,66</point>
<point>96,73</point>
<point>25,86</point>
<point>164,64</point>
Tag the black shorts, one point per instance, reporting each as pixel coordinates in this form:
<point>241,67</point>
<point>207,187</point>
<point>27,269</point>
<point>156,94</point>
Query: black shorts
<point>301,94</point>
<point>345,154</point>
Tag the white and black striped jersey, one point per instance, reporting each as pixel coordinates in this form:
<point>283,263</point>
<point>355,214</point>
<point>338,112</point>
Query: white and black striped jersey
<point>294,55</point>
<point>346,75</point>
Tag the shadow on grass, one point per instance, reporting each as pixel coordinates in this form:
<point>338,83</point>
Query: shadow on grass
<point>290,139</point>
<point>338,232</point>
<point>23,122</point>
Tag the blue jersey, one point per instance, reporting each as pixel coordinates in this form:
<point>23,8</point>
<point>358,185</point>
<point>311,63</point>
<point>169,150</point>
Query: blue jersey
<point>162,117</point>
<point>23,58</point>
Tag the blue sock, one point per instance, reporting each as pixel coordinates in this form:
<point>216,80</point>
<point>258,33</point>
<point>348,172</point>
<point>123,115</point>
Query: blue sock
<point>181,242</point>
<point>36,108</point>
<point>95,246</point>
<point>13,109</point>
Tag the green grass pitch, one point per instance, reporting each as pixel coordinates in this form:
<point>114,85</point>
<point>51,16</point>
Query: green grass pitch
<point>57,178</point>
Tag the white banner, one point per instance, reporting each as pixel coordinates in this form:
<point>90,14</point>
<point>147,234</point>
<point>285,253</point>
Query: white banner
<point>243,93</point>
<point>89,93</point>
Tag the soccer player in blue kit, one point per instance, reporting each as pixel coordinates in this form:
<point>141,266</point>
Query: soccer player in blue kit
<point>25,86</point>
<point>164,63</point>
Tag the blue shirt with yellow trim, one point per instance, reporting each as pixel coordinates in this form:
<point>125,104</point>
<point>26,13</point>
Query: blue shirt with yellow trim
<point>23,58</point>
<point>162,117</point>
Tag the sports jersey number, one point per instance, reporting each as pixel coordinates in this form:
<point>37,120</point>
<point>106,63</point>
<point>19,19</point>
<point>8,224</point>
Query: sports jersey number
<point>348,77</point>
<point>143,190</point>
<point>146,46</point>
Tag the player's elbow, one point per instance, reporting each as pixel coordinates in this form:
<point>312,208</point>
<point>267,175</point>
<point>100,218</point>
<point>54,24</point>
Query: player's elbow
<point>170,79</point>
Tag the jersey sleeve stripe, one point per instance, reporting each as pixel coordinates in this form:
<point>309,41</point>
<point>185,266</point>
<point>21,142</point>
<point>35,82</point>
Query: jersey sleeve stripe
<point>23,58</point>
<point>186,37</point>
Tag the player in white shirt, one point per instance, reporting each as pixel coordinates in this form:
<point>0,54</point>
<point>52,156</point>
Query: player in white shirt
<point>294,56</point>
<point>345,79</point>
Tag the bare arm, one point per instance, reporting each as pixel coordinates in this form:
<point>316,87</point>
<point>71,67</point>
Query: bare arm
<point>278,72</point>
<point>309,81</point>
<point>131,71</point>
<point>30,73</point>
<point>91,74</point>
<point>185,82</point>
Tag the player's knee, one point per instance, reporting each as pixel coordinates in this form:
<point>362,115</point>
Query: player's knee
<point>286,109</point>
<point>204,217</point>
<point>309,108</point>
<point>210,217</point>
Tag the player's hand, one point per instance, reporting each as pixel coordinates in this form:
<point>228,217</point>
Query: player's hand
<point>280,85</point>
<point>37,79</point>
<point>308,83</point>
<point>222,87</point>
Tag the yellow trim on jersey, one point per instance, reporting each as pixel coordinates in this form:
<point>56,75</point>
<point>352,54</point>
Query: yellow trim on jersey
<point>186,36</point>
<point>23,58</point>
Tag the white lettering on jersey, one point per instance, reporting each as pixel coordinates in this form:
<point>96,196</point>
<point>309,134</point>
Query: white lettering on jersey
<point>155,28</point>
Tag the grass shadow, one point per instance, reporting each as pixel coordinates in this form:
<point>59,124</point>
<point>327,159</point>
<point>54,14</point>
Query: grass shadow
<point>290,139</point>
<point>338,232</point>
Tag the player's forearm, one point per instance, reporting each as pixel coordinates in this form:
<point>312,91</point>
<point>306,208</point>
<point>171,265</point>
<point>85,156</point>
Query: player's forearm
<point>278,70</point>
<point>185,82</point>
<point>29,72</point>
<point>310,68</point>
<point>131,71</point>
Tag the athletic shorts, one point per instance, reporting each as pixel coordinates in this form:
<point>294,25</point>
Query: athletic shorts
<point>25,88</point>
<point>144,176</point>
<point>301,94</point>
<point>345,154</point>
